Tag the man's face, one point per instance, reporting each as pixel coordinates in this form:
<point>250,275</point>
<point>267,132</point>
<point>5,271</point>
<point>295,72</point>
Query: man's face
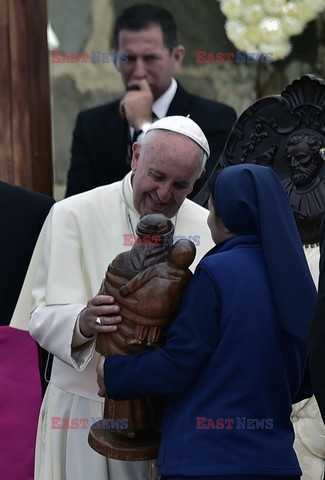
<point>165,171</point>
<point>302,165</point>
<point>148,58</point>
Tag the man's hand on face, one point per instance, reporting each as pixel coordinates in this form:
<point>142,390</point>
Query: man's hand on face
<point>136,105</point>
<point>100,316</point>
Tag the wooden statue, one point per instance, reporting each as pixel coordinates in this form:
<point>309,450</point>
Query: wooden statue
<point>286,132</point>
<point>147,282</point>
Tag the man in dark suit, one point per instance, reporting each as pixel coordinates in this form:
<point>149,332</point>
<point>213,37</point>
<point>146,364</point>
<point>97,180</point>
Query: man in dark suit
<point>22,213</point>
<point>146,36</point>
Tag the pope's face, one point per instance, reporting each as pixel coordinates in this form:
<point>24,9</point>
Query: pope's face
<point>165,170</point>
<point>148,58</point>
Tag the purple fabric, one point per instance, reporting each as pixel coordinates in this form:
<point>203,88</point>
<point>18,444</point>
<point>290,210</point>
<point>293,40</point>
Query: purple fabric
<point>20,400</point>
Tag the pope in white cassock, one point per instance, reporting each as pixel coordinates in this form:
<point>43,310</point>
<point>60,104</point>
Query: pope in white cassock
<point>81,236</point>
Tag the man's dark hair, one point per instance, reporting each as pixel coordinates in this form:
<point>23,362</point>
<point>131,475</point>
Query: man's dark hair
<point>142,16</point>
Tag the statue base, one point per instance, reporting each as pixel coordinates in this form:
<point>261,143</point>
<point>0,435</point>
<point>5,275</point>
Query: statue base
<point>144,445</point>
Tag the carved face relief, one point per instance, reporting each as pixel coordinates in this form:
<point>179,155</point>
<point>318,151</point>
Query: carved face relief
<point>303,159</point>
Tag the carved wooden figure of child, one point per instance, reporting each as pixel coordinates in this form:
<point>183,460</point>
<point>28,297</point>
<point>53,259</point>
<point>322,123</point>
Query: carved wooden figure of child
<point>147,282</point>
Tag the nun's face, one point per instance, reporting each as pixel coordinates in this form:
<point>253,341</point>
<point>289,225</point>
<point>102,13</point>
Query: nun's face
<point>219,233</point>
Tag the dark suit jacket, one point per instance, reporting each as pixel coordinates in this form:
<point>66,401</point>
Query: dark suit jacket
<point>99,147</point>
<point>316,338</point>
<point>22,213</point>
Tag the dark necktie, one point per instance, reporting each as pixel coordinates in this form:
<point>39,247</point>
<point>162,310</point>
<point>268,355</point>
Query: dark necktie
<point>134,139</point>
<point>129,146</point>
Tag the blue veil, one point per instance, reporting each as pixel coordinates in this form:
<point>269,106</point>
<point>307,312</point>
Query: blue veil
<point>251,200</point>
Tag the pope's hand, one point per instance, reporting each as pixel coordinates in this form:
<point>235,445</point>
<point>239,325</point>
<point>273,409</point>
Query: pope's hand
<point>101,315</point>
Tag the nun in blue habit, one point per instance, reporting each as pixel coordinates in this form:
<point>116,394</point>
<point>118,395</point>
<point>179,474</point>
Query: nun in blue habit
<point>235,355</point>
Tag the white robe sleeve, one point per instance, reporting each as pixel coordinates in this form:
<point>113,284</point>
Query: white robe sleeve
<point>57,290</point>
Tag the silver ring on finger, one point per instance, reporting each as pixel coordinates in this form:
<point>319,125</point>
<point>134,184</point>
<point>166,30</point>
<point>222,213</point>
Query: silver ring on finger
<point>98,321</point>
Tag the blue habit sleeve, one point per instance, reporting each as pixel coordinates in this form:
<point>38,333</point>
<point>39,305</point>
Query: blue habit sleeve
<point>191,340</point>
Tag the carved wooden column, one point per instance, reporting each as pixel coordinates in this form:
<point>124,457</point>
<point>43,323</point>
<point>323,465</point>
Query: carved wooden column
<point>25,119</point>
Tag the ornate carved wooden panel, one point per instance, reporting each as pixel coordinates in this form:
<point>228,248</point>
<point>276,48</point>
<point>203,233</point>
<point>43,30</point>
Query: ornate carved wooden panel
<point>287,133</point>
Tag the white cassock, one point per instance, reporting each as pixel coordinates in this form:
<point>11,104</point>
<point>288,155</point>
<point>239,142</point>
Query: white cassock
<point>80,237</point>
<point>307,422</point>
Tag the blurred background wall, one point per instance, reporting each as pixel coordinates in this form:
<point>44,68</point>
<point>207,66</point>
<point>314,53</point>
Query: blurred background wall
<point>86,25</point>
